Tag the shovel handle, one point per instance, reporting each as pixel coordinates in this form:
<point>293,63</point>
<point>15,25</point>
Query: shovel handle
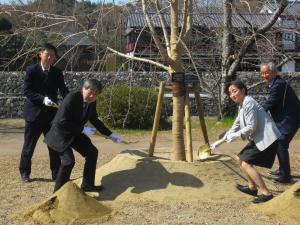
<point>219,142</point>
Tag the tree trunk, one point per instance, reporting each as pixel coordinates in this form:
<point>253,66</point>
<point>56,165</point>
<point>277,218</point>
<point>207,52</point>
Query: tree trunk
<point>178,88</point>
<point>230,58</point>
<point>177,127</point>
<point>227,54</point>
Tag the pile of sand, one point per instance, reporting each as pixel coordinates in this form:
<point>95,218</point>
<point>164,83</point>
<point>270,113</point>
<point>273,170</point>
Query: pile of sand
<point>133,176</point>
<point>68,205</point>
<point>284,206</point>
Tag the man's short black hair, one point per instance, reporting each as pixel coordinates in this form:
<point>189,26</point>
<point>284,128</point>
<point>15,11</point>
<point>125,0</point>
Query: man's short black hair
<point>47,46</point>
<point>93,84</point>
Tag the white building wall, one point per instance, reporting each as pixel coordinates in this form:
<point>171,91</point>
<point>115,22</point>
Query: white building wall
<point>288,67</point>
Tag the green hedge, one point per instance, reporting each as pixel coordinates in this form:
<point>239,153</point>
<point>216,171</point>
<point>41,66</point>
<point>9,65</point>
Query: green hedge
<point>123,107</point>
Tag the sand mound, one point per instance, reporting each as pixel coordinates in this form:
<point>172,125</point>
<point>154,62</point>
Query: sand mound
<point>132,176</point>
<point>284,206</point>
<point>69,205</point>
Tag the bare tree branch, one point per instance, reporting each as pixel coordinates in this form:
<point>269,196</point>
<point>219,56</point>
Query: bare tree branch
<point>139,59</point>
<point>250,41</point>
<point>164,26</point>
<point>161,49</point>
<point>186,26</point>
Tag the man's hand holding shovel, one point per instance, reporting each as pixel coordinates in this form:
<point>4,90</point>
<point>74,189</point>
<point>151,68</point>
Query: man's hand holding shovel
<point>48,102</point>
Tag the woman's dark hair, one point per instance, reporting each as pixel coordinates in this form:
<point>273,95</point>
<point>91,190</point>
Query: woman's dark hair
<point>239,84</point>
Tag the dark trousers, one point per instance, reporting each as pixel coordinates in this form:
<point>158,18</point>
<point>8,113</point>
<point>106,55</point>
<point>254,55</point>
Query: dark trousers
<point>33,131</point>
<point>283,153</point>
<point>83,145</point>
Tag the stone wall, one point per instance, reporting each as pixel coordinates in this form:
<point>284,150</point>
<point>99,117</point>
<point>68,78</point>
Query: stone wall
<point>11,98</point>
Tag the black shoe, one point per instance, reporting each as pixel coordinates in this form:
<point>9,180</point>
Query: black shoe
<point>262,198</point>
<point>283,179</point>
<point>25,178</point>
<point>275,173</point>
<point>92,188</point>
<point>245,189</point>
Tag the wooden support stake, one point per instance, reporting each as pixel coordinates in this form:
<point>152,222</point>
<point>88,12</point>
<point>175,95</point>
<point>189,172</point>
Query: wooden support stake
<point>157,117</point>
<point>201,117</point>
<point>188,129</point>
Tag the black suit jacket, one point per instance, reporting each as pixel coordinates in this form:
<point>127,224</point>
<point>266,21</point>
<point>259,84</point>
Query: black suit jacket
<point>68,122</point>
<point>283,105</point>
<point>37,85</point>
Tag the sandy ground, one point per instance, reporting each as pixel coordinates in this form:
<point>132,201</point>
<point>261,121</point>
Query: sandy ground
<point>217,203</point>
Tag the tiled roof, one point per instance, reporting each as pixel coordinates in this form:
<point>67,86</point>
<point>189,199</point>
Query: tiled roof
<point>293,8</point>
<point>76,39</point>
<point>209,20</point>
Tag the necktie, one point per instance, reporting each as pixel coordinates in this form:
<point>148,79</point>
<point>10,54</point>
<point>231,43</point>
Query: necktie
<point>46,75</point>
<point>84,110</point>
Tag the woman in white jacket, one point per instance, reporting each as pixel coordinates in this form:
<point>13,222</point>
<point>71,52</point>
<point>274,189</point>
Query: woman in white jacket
<point>254,124</point>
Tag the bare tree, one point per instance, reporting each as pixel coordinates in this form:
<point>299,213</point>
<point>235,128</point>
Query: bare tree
<point>77,29</point>
<point>231,58</point>
<point>173,46</point>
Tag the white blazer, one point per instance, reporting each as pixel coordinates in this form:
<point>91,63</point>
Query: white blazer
<point>255,124</point>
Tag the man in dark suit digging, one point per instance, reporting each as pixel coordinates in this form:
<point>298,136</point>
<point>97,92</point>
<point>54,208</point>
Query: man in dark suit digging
<point>66,134</point>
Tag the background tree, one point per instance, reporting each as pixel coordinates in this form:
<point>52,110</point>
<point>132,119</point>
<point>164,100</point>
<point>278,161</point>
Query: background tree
<point>232,56</point>
<point>173,45</point>
<point>79,29</point>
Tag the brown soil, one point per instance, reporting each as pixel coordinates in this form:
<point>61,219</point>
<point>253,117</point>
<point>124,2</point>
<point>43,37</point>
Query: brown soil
<point>286,205</point>
<point>68,205</point>
<point>143,190</point>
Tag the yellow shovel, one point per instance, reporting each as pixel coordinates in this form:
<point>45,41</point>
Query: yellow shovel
<point>204,151</point>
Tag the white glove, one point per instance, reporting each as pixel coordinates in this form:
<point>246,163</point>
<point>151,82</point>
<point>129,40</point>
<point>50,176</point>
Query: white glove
<point>88,130</point>
<point>233,136</point>
<point>213,146</point>
<point>48,102</point>
<point>116,138</point>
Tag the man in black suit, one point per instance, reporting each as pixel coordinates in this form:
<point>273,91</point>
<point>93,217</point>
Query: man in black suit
<point>284,106</point>
<point>67,132</point>
<point>41,84</point>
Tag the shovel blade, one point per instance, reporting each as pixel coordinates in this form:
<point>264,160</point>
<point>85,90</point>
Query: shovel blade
<point>204,152</point>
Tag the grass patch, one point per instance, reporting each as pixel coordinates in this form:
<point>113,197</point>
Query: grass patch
<point>12,123</point>
<point>131,132</point>
<point>214,128</point>
<point>213,123</point>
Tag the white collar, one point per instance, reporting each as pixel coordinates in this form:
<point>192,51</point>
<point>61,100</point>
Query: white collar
<point>44,68</point>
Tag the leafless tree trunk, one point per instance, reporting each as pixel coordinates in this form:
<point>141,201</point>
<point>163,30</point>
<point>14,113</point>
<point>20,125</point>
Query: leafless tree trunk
<point>230,58</point>
<point>171,52</point>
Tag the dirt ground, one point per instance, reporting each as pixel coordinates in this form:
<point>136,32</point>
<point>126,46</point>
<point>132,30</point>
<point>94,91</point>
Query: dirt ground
<point>154,202</point>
